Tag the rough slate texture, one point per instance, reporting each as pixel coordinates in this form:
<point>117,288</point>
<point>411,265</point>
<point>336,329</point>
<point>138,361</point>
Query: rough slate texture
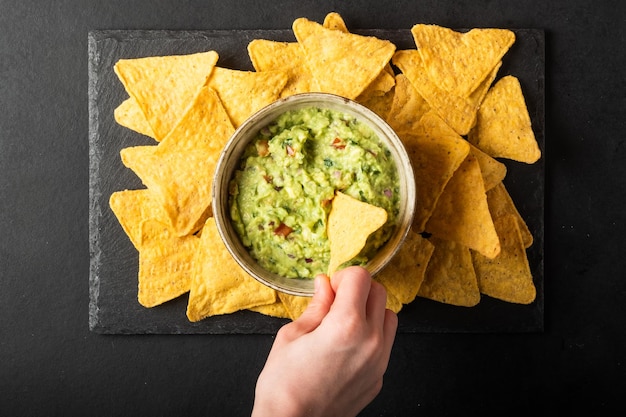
<point>113,274</point>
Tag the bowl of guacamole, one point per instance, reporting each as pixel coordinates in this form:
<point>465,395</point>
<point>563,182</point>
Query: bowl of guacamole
<point>278,174</point>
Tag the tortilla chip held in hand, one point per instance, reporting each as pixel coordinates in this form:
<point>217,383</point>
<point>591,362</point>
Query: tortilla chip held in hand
<point>350,222</point>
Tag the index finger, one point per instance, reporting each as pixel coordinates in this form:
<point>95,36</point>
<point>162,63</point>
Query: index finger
<point>352,287</point>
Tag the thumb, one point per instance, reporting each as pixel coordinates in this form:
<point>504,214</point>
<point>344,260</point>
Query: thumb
<point>318,307</point>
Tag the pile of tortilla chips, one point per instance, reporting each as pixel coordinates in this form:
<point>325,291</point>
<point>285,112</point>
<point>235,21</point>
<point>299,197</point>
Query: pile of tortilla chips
<point>442,99</point>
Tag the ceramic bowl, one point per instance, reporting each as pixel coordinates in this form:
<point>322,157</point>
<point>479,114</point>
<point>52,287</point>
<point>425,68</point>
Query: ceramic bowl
<point>229,161</point>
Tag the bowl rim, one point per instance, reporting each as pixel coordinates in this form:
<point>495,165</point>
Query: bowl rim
<point>247,131</point>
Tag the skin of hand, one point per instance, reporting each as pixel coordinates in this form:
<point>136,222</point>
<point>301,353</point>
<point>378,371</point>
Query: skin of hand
<point>331,360</point>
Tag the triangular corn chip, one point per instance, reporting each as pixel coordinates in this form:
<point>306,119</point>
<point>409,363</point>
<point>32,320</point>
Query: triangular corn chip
<point>436,151</point>
<point>129,114</point>
<point>462,214</point>
<point>342,63</point>
<point>385,79</point>
<point>381,105</point>
<point>289,57</point>
<point>219,285</point>
<point>350,223</point>
<point>132,208</point>
<point>334,21</point>
<point>181,181</point>
<point>508,276</point>
<point>294,304</point>
<point>501,204</point>
<point>457,111</point>
<point>205,127</point>
<point>450,276</point>
<point>165,263</point>
<point>393,303</point>
<point>404,274</point>
<point>407,107</point>
<point>478,95</point>
<point>503,127</point>
<point>245,92</point>
<point>379,87</point>
<point>179,170</point>
<point>276,309</point>
<point>164,86</point>
<point>459,62</point>
<point>493,171</point>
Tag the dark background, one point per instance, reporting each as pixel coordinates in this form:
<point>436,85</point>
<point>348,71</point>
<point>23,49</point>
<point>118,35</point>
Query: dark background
<point>51,364</point>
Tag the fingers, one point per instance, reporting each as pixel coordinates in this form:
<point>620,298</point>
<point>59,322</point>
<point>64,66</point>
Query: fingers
<point>317,308</point>
<point>376,303</point>
<point>355,289</point>
<point>382,318</point>
<point>351,291</point>
<point>390,327</point>
<point>352,288</point>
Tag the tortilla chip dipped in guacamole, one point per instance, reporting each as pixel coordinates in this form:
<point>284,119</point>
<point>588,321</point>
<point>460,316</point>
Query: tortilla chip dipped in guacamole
<point>350,223</point>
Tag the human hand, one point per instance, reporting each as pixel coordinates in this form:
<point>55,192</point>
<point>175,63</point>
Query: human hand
<point>331,360</point>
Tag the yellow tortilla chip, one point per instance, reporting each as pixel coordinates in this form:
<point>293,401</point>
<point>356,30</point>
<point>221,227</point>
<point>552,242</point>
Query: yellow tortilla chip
<point>508,276</point>
<point>245,92</point>
<point>407,108</point>
<point>501,204</point>
<point>381,105</point>
<point>269,55</point>
<point>129,114</point>
<point>219,285</point>
<point>379,87</point>
<point>393,303</point>
<point>462,214</point>
<point>334,21</point>
<point>477,96</point>
<point>459,62</point>
<point>164,86</point>
<point>450,276</point>
<point>205,127</point>
<point>181,181</point>
<point>503,127</point>
<point>165,263</point>
<point>404,274</point>
<point>276,309</point>
<point>350,223</point>
<point>132,208</point>
<point>294,304</point>
<point>179,170</point>
<point>492,170</point>
<point>457,111</point>
<point>436,151</point>
<point>342,63</point>
<point>383,82</point>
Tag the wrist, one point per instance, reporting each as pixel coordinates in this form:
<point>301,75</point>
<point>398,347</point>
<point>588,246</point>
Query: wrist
<point>281,404</point>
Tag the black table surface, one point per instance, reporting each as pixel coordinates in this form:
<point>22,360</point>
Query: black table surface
<point>51,363</point>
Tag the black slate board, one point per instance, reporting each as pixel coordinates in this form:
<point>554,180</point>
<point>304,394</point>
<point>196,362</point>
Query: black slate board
<point>113,306</point>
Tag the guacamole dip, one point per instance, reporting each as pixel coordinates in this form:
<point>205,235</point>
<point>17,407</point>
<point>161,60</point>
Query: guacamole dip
<point>281,195</point>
